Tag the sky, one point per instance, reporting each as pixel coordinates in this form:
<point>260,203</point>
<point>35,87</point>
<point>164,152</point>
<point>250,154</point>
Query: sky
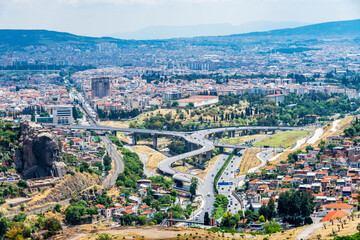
<point>105,17</point>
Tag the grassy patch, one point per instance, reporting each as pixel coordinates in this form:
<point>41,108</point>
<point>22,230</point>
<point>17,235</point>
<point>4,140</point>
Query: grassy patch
<point>284,139</point>
<point>242,139</point>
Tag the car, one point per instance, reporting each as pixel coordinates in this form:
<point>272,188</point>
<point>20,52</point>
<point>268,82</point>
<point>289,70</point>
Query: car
<point>208,194</point>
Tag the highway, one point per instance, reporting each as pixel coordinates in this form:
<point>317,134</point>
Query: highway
<point>229,177</point>
<point>197,139</point>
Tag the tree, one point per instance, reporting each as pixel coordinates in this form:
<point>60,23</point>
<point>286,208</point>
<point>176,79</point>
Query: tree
<point>177,147</point>
<point>73,214</point>
<point>262,218</point>
<point>271,209</point>
<point>4,224</point>
<point>190,105</point>
<point>52,225</point>
<point>193,186</point>
<point>309,148</point>
<point>57,208</point>
<point>17,231</point>
<point>263,211</point>
<point>206,219</point>
<point>22,183</point>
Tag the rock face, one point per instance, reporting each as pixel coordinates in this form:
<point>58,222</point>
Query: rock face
<point>40,155</point>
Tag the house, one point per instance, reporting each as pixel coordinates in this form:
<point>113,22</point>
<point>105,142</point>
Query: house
<point>107,212</point>
<point>142,192</point>
<point>270,169</point>
<point>145,183</point>
<point>338,206</point>
<point>334,215</point>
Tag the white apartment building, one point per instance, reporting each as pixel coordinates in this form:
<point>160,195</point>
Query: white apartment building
<point>62,114</point>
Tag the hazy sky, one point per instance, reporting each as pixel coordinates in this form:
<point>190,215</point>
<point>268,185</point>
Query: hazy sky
<point>103,17</point>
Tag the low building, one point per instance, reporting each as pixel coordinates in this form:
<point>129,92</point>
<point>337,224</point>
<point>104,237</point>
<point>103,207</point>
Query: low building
<point>198,100</point>
<point>275,97</point>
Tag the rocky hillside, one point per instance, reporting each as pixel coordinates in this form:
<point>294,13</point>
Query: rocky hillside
<point>69,187</point>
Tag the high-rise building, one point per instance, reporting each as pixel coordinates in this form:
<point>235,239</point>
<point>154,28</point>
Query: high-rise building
<point>100,87</point>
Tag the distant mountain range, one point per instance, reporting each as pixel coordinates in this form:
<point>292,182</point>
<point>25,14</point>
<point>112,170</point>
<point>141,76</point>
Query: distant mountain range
<point>166,32</point>
<point>22,38</point>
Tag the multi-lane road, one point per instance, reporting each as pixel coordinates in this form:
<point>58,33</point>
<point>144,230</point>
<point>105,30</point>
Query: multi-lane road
<point>228,177</point>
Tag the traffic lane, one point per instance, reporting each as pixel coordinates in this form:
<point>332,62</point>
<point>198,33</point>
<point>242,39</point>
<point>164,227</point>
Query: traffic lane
<point>229,176</point>
<point>208,186</point>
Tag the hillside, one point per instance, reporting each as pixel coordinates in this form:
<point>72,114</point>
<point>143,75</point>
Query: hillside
<point>23,38</point>
<point>349,28</point>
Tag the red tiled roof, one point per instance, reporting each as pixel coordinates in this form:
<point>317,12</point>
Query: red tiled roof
<point>338,205</point>
<point>334,215</point>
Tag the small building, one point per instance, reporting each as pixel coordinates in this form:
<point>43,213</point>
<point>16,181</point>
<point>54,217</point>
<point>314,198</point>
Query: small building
<point>275,97</point>
<point>198,100</point>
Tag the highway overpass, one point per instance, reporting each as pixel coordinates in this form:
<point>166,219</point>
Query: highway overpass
<point>199,143</point>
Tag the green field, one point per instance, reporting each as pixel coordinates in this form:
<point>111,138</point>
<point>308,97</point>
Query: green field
<point>242,139</point>
<point>284,139</point>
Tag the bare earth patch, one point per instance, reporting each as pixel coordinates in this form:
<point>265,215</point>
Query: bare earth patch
<point>349,229</point>
<point>154,157</point>
<point>211,163</point>
<point>249,160</point>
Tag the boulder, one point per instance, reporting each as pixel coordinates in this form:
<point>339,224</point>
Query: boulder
<point>40,155</point>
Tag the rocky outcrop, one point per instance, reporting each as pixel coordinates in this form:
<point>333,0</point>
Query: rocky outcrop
<point>39,154</point>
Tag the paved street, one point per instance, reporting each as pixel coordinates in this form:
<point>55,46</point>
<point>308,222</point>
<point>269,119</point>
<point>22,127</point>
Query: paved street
<point>118,161</point>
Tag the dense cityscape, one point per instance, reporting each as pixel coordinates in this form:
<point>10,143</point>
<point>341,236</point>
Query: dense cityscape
<point>243,136</point>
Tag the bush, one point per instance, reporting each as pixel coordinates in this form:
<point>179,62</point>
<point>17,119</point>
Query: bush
<point>20,217</point>
<point>272,227</point>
